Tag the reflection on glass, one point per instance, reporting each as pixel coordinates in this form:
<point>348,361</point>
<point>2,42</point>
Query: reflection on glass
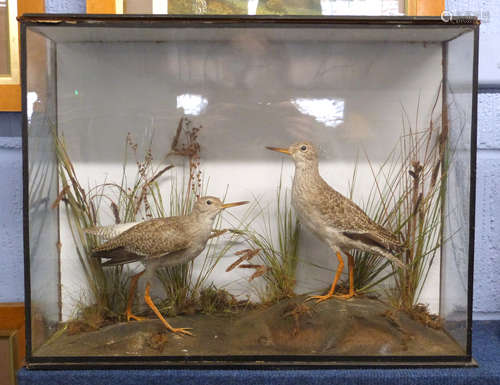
<point>330,112</point>
<point>32,99</point>
<point>252,7</point>
<point>137,6</point>
<point>285,7</point>
<point>361,7</point>
<point>4,39</point>
<point>160,7</point>
<point>200,7</point>
<point>192,104</point>
<point>145,6</point>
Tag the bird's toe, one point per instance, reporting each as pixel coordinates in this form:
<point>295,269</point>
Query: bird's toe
<point>183,331</point>
<point>344,296</point>
<point>319,298</point>
<point>131,316</point>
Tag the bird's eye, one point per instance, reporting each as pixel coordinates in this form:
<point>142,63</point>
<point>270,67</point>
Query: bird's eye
<point>209,202</point>
<point>303,148</point>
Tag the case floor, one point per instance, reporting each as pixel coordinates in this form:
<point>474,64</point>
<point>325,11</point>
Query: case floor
<point>485,347</point>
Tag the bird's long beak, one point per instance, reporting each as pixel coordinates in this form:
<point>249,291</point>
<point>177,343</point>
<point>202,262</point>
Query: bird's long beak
<point>283,150</point>
<point>227,205</point>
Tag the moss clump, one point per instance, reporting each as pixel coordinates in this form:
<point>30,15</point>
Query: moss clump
<point>90,318</point>
<point>420,312</point>
<point>213,300</point>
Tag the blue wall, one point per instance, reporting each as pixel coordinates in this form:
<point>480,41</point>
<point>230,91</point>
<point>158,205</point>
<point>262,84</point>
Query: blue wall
<point>65,6</point>
<point>487,263</point>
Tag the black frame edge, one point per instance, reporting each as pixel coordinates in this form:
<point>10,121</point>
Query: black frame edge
<point>472,197</point>
<point>444,120</point>
<point>95,19</point>
<point>256,366</point>
<point>58,214</point>
<point>248,362</point>
<point>27,275</point>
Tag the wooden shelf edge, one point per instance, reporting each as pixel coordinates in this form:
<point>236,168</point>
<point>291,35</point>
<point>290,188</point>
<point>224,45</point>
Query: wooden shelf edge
<point>101,6</point>
<point>12,317</point>
<point>10,97</point>
<point>425,7</point>
<point>10,94</point>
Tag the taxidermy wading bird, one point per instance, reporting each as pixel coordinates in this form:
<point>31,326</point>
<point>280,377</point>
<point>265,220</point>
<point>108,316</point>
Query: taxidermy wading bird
<point>334,218</point>
<point>160,242</point>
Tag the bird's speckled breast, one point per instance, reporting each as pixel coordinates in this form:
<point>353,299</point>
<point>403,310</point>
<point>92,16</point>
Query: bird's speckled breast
<point>198,230</point>
<point>305,202</point>
<point>200,234</point>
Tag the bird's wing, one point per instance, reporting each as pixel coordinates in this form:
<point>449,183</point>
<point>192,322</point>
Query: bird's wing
<point>117,256</point>
<point>374,239</point>
<point>348,217</point>
<point>154,237</point>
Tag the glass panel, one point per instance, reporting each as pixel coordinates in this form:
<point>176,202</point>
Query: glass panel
<point>355,34</point>
<point>42,184</point>
<point>4,39</point>
<point>455,264</point>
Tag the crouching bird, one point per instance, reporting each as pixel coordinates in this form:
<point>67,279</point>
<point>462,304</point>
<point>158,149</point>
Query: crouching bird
<point>161,242</point>
<point>333,218</point>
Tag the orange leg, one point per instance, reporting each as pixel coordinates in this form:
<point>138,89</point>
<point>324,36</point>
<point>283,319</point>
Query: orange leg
<point>133,287</point>
<point>153,307</point>
<point>350,264</point>
<point>321,298</point>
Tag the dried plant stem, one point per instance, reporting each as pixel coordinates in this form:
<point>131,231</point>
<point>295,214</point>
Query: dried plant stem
<point>277,249</point>
<point>409,200</point>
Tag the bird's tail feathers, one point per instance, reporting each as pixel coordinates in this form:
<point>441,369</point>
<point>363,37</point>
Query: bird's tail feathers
<point>92,230</point>
<point>393,259</point>
<point>117,256</point>
<point>111,231</point>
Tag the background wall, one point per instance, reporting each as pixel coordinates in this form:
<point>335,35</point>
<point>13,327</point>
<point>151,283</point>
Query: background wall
<point>487,262</point>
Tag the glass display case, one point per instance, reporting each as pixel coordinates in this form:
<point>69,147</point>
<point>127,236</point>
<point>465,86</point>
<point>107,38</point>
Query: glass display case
<point>250,191</point>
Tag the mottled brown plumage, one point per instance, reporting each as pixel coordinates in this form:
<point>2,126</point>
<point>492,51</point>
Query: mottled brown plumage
<point>157,238</point>
<point>335,219</point>
<point>110,231</point>
<point>160,242</point>
<point>346,216</point>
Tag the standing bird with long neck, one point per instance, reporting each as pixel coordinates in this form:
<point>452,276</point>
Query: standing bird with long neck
<point>161,242</point>
<point>335,219</point>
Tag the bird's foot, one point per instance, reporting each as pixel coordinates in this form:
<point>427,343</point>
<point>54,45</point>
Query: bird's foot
<point>319,298</point>
<point>135,317</point>
<point>182,330</point>
<point>344,296</point>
